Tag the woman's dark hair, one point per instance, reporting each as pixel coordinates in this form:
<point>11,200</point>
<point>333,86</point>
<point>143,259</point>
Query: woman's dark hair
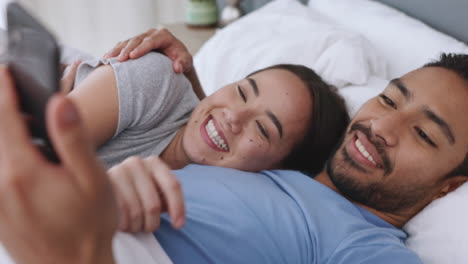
<point>457,63</point>
<point>326,126</point>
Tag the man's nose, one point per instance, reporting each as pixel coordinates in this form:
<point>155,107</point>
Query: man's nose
<point>388,128</point>
<point>236,118</point>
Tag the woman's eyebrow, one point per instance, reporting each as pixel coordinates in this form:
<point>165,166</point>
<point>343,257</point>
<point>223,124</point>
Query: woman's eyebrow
<point>276,121</point>
<point>254,86</point>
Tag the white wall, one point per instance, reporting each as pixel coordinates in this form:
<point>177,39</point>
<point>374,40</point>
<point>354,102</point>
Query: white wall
<point>97,25</point>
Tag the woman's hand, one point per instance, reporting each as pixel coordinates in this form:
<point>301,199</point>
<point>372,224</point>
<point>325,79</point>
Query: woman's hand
<point>52,213</point>
<point>68,78</point>
<point>160,39</point>
<point>145,188</point>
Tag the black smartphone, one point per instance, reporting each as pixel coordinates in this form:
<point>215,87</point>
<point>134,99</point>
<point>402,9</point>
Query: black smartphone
<point>33,58</point>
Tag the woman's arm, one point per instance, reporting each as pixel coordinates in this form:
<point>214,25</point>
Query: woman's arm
<point>97,100</point>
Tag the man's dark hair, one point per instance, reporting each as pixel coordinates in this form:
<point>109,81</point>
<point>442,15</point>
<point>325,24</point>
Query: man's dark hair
<point>457,63</point>
<point>326,126</point>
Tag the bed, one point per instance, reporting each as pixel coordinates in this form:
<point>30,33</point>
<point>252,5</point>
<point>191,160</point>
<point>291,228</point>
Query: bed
<point>357,45</point>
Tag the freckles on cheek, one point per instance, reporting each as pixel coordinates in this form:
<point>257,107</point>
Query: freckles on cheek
<point>252,148</point>
<point>253,144</point>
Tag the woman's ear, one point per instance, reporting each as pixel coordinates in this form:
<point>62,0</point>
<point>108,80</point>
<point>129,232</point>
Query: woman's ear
<point>451,185</point>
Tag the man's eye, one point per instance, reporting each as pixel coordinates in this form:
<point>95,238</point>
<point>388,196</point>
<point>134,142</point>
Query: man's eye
<point>388,101</point>
<point>241,93</point>
<point>425,137</point>
<point>262,130</point>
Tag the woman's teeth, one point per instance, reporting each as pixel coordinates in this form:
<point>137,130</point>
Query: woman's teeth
<point>215,137</point>
<point>364,152</point>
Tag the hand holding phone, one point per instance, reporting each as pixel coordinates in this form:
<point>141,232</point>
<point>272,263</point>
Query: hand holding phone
<point>33,59</point>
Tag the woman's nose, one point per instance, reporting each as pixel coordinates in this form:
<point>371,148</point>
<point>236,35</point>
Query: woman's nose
<point>235,118</point>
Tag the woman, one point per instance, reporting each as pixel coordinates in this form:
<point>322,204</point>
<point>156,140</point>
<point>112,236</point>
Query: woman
<point>271,119</point>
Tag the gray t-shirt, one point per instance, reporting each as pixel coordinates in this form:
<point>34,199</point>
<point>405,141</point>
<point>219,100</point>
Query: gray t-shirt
<point>154,102</point>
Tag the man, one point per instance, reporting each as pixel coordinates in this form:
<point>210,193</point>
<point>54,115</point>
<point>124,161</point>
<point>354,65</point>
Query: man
<point>403,149</point>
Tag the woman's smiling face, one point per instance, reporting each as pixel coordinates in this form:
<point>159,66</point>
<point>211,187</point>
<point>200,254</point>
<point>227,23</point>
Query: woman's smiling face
<point>250,125</point>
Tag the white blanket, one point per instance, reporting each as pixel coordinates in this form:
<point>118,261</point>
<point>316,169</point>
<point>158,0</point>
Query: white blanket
<point>141,248</point>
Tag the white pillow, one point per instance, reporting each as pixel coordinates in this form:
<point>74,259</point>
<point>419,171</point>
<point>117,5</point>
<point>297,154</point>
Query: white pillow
<point>356,95</point>
<point>404,42</point>
<point>285,31</point>
<point>439,234</point>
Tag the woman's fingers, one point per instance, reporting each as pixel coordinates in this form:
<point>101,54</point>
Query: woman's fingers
<point>132,210</point>
<point>149,197</point>
<point>115,175</point>
<point>170,190</point>
<point>146,188</point>
<point>122,208</point>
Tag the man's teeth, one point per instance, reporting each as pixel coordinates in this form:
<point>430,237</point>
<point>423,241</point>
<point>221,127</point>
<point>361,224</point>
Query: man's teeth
<point>364,152</point>
<point>214,136</point>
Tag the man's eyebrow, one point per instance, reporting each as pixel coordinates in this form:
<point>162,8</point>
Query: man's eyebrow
<point>402,87</point>
<point>444,126</point>
<point>253,83</point>
<point>276,122</point>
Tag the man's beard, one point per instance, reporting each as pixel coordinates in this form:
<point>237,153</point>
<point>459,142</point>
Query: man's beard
<point>379,195</point>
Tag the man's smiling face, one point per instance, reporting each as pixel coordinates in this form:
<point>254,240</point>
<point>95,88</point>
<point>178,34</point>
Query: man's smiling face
<point>401,145</point>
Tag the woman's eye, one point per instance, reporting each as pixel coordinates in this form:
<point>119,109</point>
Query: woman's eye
<point>388,101</point>
<point>241,93</point>
<point>262,130</point>
<point>425,137</point>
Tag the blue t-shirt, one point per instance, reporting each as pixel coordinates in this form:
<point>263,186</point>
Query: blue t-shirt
<point>275,217</point>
